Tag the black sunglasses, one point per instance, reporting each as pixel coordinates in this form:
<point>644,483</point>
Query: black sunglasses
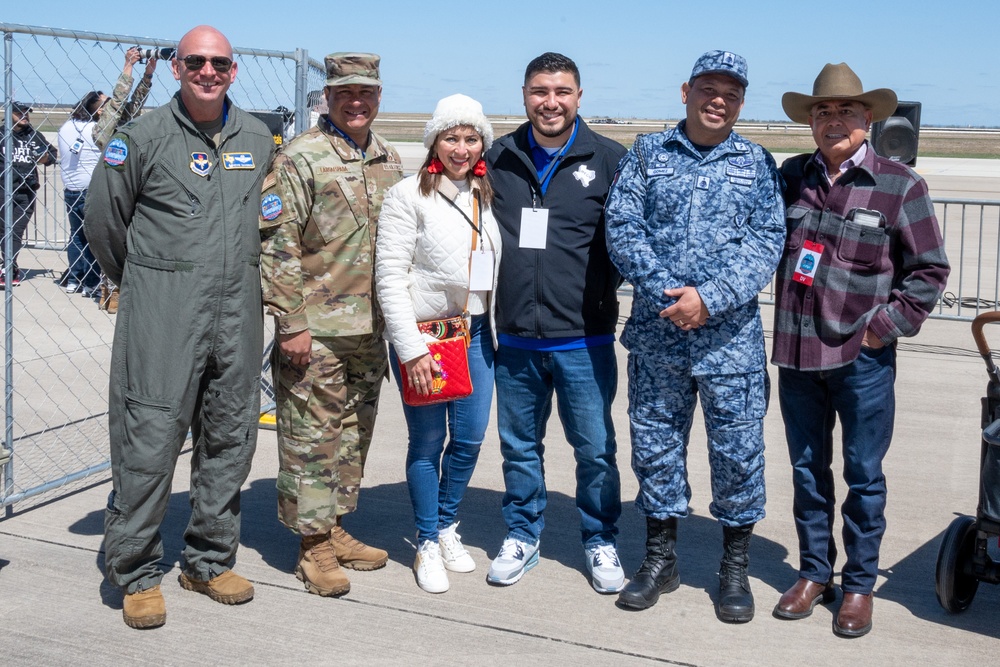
<point>220,64</point>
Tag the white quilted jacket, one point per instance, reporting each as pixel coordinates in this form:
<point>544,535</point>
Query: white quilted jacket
<point>422,261</point>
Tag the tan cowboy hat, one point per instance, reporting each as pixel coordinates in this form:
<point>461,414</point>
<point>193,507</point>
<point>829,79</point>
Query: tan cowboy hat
<point>840,83</point>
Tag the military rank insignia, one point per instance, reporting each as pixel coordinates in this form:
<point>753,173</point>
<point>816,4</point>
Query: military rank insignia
<point>200,163</point>
<point>237,161</point>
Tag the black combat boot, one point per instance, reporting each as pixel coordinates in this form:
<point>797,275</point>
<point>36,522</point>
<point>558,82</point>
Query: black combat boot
<point>735,598</point>
<point>658,572</point>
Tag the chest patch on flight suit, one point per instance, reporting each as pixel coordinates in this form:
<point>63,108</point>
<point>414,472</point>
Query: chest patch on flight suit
<point>238,161</point>
<point>741,160</point>
<point>660,171</point>
<point>116,153</point>
<point>703,183</point>
<point>270,207</point>
<point>740,181</point>
<point>200,164</point>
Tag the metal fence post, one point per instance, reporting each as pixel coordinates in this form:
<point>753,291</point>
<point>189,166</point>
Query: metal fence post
<point>8,244</point>
<point>301,90</point>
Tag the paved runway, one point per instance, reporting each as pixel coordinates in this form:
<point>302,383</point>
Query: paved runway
<point>57,610</point>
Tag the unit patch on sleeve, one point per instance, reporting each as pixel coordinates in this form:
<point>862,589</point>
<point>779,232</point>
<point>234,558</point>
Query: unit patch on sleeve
<point>270,207</point>
<point>116,153</point>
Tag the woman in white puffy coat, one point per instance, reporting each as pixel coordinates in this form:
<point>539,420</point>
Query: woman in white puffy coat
<point>426,268</point>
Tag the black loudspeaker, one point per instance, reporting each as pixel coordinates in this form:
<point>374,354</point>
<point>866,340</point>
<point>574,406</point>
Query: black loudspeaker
<point>897,136</point>
<point>275,123</point>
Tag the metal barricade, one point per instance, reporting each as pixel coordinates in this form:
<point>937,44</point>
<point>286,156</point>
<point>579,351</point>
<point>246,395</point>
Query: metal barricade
<point>57,346</point>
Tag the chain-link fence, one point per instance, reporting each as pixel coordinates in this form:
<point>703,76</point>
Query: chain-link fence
<point>57,342</point>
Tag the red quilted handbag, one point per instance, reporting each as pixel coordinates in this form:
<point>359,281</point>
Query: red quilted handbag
<point>451,383</point>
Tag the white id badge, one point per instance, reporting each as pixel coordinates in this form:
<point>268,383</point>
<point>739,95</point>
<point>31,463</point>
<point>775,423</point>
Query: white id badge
<point>534,228</point>
<point>481,271</point>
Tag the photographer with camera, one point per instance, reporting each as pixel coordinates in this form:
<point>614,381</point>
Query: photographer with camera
<point>116,112</point>
<point>78,156</point>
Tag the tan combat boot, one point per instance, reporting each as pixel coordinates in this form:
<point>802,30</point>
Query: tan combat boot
<point>227,588</point>
<point>318,568</point>
<point>145,609</point>
<point>112,306</point>
<point>355,554</point>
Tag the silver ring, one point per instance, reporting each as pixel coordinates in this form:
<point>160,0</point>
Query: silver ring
<point>416,381</point>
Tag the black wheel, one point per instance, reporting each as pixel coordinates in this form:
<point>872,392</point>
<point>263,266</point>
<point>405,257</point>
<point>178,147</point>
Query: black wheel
<point>955,589</point>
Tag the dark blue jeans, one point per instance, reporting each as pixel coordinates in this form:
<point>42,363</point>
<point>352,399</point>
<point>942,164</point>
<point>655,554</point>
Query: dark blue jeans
<point>862,395</point>
<point>437,483</point>
<point>585,382</point>
<point>83,268</point>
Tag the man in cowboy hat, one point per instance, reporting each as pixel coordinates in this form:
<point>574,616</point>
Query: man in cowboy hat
<point>864,263</point>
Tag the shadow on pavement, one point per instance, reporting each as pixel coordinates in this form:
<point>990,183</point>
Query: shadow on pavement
<point>910,583</point>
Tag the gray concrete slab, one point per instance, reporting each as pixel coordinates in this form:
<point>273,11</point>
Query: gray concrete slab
<point>57,610</point>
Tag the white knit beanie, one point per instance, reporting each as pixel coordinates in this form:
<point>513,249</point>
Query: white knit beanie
<point>456,110</point>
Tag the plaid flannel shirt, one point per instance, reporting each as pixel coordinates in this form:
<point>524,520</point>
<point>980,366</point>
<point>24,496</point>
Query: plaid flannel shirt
<point>882,267</point>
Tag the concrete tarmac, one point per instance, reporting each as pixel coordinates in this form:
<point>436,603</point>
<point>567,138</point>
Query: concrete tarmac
<point>57,609</point>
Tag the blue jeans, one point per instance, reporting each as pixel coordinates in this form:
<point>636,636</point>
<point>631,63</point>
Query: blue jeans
<point>83,268</point>
<point>437,484</point>
<point>862,395</point>
<point>585,382</point>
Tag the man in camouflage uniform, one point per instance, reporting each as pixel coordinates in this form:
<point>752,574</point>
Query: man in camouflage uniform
<point>319,211</point>
<point>695,223</point>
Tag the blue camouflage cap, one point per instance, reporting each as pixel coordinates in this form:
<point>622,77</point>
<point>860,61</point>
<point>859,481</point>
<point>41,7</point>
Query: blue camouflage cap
<point>721,62</point>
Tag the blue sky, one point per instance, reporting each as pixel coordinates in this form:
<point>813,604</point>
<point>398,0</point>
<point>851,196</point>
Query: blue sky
<point>633,55</point>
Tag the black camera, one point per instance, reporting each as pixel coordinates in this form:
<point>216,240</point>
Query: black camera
<point>165,53</point>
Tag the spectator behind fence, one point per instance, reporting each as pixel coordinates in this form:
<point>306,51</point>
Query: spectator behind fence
<point>78,156</point>
<point>172,217</point>
<point>28,150</point>
<point>114,114</point>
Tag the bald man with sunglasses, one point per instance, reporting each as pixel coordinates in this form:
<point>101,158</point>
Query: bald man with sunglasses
<point>172,219</point>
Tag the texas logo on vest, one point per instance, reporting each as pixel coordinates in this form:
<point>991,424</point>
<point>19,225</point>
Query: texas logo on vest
<point>200,163</point>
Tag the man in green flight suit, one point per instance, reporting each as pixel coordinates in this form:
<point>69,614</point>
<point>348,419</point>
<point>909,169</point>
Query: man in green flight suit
<point>172,218</point>
<point>318,217</point>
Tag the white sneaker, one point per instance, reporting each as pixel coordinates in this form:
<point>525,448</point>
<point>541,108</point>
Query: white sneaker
<point>453,552</point>
<point>606,574</point>
<point>515,558</point>
<point>429,568</point>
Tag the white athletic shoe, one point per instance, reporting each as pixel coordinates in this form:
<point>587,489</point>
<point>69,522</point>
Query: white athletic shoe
<point>515,558</point>
<point>606,574</point>
<point>453,552</point>
<point>429,568</point>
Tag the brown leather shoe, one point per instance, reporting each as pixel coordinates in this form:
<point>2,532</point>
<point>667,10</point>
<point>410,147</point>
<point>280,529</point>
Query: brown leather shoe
<point>145,609</point>
<point>227,588</point>
<point>855,616</point>
<point>355,554</point>
<point>799,600</point>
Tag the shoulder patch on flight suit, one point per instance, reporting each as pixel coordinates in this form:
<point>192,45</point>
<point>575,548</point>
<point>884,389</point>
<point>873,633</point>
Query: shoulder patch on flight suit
<point>116,152</point>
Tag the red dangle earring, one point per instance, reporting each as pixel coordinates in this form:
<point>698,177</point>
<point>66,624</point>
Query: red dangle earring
<point>437,167</point>
<point>480,168</point>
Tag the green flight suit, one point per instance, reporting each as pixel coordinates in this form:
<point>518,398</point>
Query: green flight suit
<point>173,220</point>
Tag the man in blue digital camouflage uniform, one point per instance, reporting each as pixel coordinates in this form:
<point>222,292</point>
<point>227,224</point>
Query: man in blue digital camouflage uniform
<point>695,222</point>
